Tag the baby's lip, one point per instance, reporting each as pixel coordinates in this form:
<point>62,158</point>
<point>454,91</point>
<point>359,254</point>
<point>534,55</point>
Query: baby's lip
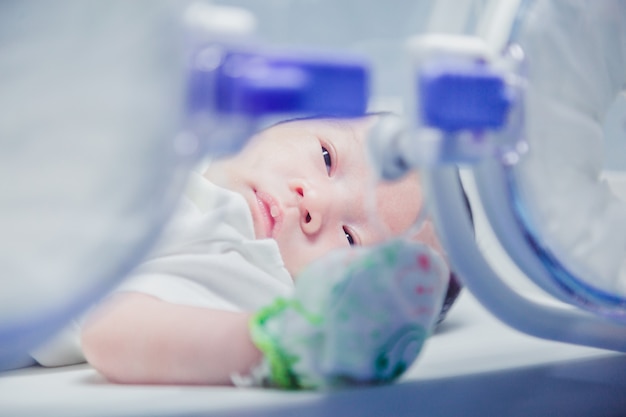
<point>271,215</point>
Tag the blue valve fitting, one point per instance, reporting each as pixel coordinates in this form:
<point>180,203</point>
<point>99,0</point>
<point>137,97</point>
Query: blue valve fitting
<point>458,96</point>
<point>259,83</point>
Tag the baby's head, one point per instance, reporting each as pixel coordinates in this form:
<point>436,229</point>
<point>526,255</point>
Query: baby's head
<point>310,186</point>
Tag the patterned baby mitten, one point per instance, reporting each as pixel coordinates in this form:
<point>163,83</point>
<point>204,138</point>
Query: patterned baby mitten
<point>358,316</point>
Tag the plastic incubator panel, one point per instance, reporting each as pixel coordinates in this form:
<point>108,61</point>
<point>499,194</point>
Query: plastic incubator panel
<point>541,181</point>
<point>567,221</point>
<point>92,161</point>
<point>559,191</point>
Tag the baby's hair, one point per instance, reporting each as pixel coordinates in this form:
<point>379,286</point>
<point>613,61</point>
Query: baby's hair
<point>270,123</point>
<point>454,285</point>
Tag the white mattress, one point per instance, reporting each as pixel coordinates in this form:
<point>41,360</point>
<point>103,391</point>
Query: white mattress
<point>474,365</point>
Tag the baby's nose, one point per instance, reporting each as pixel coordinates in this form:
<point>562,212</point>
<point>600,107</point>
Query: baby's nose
<point>313,206</point>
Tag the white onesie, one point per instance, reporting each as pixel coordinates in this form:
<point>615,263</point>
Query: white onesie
<point>207,257</point>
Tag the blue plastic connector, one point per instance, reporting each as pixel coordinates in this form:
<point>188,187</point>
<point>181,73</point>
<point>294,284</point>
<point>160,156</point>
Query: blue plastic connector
<point>457,96</point>
<point>259,83</point>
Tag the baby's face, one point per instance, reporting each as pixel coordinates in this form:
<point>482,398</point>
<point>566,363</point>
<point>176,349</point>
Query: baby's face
<point>310,186</point>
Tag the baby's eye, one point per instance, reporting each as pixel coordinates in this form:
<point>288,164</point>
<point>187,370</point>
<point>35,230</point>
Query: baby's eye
<point>348,236</point>
<point>327,159</point>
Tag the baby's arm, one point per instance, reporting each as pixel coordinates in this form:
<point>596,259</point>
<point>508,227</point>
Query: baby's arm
<point>136,338</point>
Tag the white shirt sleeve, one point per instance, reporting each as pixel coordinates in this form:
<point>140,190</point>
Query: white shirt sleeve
<point>208,256</point>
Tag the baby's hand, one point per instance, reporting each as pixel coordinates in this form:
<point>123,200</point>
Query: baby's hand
<point>358,316</point>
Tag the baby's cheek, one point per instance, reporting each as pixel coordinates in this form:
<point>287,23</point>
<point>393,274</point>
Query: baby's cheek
<point>298,254</point>
<point>295,255</point>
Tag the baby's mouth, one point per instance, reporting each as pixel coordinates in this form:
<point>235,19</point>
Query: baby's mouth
<point>271,214</point>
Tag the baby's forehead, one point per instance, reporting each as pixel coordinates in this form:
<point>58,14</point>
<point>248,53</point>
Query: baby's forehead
<point>329,124</point>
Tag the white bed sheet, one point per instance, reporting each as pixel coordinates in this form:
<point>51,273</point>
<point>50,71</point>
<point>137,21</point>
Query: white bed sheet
<point>474,365</point>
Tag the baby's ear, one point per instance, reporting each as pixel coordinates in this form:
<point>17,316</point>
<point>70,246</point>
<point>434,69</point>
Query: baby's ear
<point>427,235</point>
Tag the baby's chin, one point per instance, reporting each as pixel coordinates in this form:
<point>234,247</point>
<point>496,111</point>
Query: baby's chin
<point>293,270</point>
<point>294,267</point>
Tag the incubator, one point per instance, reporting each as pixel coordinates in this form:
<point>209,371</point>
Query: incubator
<point>102,120</point>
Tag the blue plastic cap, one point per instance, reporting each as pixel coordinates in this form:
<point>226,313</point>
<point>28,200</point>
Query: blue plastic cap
<point>257,83</point>
<point>456,96</point>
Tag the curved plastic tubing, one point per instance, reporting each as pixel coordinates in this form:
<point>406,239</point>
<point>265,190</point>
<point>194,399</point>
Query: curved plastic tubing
<point>553,323</point>
<point>495,195</point>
